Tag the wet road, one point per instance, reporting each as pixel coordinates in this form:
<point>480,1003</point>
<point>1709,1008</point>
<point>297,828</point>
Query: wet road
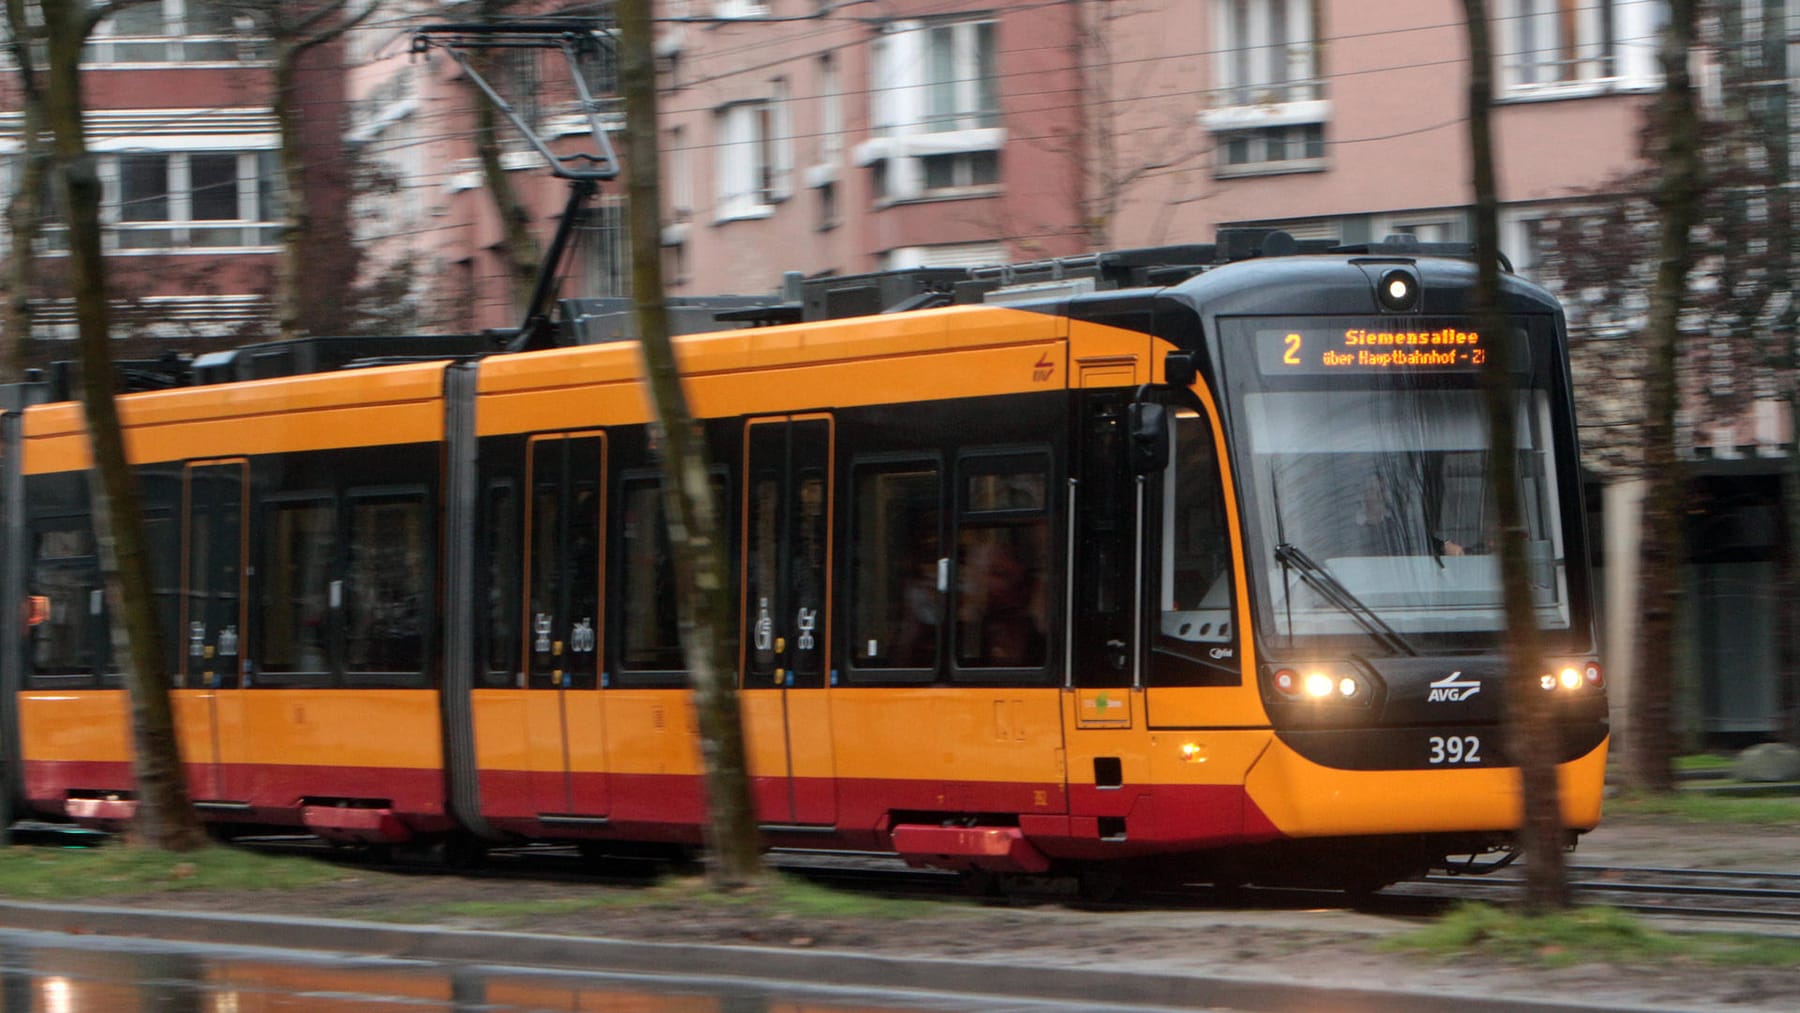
<point>50,973</point>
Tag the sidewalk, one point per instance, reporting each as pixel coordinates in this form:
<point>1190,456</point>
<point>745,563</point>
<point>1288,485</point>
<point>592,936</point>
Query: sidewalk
<point>1298,984</point>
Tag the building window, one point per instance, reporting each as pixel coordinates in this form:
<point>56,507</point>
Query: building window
<point>519,79</point>
<point>960,171</point>
<point>1267,52</point>
<point>198,199</point>
<point>1271,149</point>
<point>172,31</point>
<point>600,69</point>
<point>936,111</point>
<point>753,167</point>
<point>944,255</point>
<point>1555,48</point>
<point>778,127</point>
<point>604,235</point>
<point>733,9</point>
<point>935,77</point>
<point>1426,230</point>
<point>960,86</point>
<point>1270,110</point>
<point>831,110</point>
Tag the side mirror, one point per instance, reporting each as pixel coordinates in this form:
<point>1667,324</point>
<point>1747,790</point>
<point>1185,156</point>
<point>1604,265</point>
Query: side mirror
<point>1149,436</point>
<point>1179,369</point>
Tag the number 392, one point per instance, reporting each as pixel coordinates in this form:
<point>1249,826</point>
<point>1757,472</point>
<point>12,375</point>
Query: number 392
<point>1454,749</point>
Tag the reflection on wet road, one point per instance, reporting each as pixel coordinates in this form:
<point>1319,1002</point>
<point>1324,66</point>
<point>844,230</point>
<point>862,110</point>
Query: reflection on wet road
<point>45,973</point>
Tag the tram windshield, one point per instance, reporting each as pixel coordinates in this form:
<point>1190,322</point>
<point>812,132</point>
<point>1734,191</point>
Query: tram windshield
<point>1371,515</point>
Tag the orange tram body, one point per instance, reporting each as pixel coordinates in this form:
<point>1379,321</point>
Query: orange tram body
<point>1178,574</point>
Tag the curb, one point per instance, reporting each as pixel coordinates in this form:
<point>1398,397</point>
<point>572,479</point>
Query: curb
<point>691,962</point>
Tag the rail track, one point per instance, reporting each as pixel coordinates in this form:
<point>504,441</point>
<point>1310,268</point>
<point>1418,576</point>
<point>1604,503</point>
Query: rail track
<point>1726,894</point>
<point>1731,895</point>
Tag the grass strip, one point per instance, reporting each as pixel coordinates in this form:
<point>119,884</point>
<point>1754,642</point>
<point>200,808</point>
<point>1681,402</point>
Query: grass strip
<point>1586,935</point>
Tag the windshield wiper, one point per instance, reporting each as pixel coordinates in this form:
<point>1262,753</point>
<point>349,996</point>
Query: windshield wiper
<point>1333,590</point>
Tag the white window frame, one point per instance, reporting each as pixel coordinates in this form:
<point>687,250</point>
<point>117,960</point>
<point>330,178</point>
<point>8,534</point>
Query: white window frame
<point>1427,227</point>
<point>905,133</point>
<point>831,110</point>
<point>1293,139</point>
<point>742,161</point>
<point>107,48</point>
<point>179,227</point>
<point>981,254</point>
<point>733,10</point>
<point>681,174</point>
<point>1552,49</point>
<point>780,141</point>
<point>1267,82</point>
<point>1268,54</point>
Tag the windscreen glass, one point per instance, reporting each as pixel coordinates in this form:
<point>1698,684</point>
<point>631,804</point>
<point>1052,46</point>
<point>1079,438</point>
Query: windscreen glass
<point>1371,509</point>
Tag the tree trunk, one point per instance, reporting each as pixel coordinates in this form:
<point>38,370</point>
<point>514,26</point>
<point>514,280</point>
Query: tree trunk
<point>164,817</point>
<point>1531,737</point>
<point>699,556</point>
<point>1650,740</point>
<point>25,211</point>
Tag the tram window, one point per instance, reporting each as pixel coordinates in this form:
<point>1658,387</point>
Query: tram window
<point>809,571</point>
<point>387,590</point>
<point>762,577</point>
<point>1002,551</point>
<point>299,549</point>
<point>162,539</point>
<point>650,637</point>
<point>1196,634</point>
<point>547,560</point>
<point>502,529</point>
<point>68,617</point>
<point>895,552</point>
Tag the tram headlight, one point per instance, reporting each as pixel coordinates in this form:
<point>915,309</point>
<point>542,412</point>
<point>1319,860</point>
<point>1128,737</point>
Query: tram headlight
<point>1322,683</point>
<point>1571,676</point>
<point>1318,685</point>
<point>1398,290</point>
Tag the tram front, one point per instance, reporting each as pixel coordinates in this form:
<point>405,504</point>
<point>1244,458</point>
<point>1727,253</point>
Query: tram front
<point>1362,456</point>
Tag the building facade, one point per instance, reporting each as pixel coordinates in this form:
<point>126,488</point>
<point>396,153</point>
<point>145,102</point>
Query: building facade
<point>180,114</point>
<point>796,136</point>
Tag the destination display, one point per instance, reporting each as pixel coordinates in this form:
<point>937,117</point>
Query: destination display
<point>1339,347</point>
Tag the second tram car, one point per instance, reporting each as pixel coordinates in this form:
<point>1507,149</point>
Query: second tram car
<point>1184,575</point>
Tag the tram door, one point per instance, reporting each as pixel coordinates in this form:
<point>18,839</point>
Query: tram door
<point>563,565</point>
<point>1104,649</point>
<point>212,618</point>
<point>787,578</point>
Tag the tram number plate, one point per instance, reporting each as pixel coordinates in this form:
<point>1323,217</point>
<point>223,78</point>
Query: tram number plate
<point>1458,750</point>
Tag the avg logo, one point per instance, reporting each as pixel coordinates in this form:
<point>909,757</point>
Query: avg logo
<point>1043,368</point>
